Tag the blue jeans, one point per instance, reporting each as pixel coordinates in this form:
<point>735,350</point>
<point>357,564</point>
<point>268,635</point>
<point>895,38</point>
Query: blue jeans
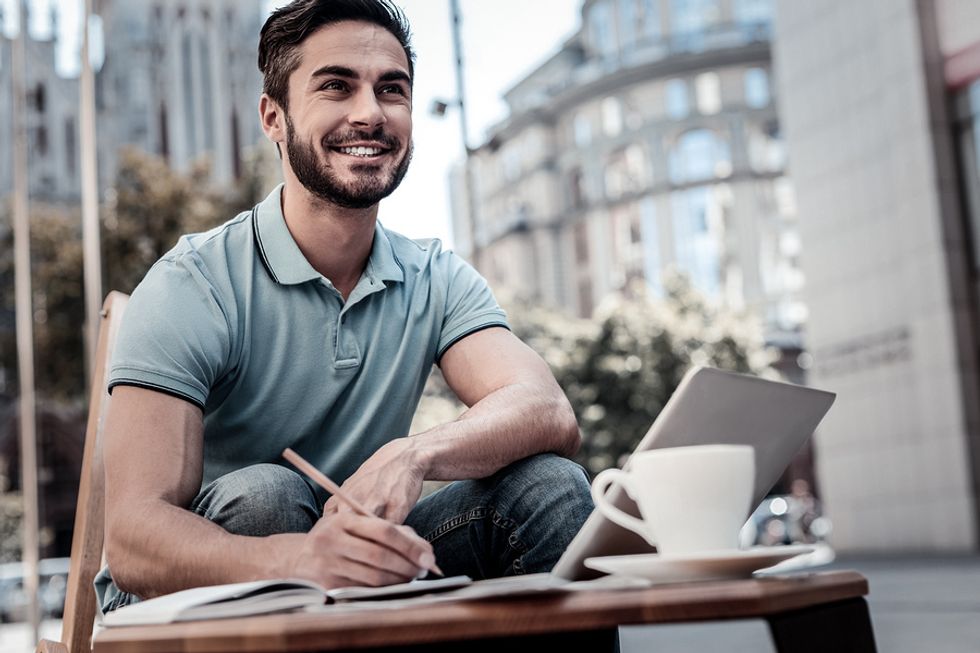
<point>517,521</point>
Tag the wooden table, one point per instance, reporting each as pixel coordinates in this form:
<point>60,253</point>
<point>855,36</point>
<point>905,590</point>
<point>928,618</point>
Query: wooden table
<point>808,612</point>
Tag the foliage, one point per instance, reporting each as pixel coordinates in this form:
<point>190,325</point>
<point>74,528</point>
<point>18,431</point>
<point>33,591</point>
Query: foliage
<point>149,207</point>
<point>11,519</point>
<point>619,369</point>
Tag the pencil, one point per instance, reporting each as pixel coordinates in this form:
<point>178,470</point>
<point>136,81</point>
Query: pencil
<point>323,481</point>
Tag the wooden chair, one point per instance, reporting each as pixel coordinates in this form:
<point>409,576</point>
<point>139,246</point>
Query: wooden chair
<point>87,539</point>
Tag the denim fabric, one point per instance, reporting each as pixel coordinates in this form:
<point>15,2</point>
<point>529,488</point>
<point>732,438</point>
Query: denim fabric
<point>516,521</point>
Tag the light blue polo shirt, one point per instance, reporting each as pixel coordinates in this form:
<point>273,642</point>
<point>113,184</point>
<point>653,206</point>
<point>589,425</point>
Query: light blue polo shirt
<point>238,322</point>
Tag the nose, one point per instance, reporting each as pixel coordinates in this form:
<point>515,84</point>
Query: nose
<point>366,111</point>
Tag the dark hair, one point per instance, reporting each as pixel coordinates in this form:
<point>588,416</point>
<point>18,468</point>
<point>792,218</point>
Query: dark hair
<point>287,27</point>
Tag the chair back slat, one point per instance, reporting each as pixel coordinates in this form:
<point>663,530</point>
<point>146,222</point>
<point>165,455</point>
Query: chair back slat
<point>87,538</point>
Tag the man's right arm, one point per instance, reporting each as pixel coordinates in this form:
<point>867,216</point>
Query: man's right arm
<point>153,450</point>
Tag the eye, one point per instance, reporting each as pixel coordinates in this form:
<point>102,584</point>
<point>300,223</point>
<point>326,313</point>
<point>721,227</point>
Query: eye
<point>389,89</point>
<point>334,85</point>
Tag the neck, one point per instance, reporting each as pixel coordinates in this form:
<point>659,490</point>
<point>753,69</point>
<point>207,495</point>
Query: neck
<point>336,241</point>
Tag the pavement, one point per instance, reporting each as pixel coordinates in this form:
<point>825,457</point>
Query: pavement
<point>919,604</point>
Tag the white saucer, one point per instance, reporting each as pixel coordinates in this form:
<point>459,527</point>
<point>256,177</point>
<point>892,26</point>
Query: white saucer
<point>708,565</point>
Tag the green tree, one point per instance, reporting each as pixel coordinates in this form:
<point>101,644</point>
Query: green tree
<point>619,369</point>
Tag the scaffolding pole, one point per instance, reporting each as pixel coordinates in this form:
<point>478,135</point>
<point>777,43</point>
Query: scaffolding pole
<point>91,247</point>
<point>24,322</point>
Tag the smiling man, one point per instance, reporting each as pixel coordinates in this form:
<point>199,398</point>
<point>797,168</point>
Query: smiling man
<point>304,323</point>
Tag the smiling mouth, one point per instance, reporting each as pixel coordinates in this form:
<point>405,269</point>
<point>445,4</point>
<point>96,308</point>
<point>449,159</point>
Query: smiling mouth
<point>361,151</point>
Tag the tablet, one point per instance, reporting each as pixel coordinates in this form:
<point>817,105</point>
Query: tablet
<point>709,407</point>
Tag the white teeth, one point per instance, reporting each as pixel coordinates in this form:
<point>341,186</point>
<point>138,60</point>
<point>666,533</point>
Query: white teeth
<point>361,151</point>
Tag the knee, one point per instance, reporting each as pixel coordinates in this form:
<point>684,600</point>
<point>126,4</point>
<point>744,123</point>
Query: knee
<point>259,500</point>
<point>550,481</point>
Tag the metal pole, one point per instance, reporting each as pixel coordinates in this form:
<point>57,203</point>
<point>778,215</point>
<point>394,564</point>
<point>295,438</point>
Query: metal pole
<point>90,199</point>
<point>471,199</point>
<point>24,323</point>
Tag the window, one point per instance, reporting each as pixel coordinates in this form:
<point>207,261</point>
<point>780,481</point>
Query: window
<point>767,151</point>
<point>581,244</point>
<point>678,105</point>
<point>707,88</point>
<point>71,152</point>
<point>204,53</point>
<point>41,140</point>
<point>697,218</point>
<point>511,163</point>
<point>40,98</point>
<point>612,116</point>
<point>753,12</point>
<point>626,171</point>
<point>756,88</point>
<point>601,29</point>
<point>582,129</point>
<point>693,17</point>
<point>575,189</point>
<point>627,23</point>
<point>699,155</point>
<point>650,238</point>
<point>651,19</point>
<point>190,116</point>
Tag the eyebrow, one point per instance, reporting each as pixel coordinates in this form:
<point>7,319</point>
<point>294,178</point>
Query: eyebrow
<point>344,71</point>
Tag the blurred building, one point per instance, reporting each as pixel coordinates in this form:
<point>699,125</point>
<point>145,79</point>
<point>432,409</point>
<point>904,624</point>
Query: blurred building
<point>51,118</point>
<point>649,141</point>
<point>180,80</point>
<point>176,79</point>
<point>881,105</point>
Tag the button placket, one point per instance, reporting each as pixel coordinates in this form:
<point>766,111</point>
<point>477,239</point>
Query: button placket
<point>347,353</point>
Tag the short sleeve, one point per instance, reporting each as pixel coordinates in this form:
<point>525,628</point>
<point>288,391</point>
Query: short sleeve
<point>470,304</point>
<point>175,335</point>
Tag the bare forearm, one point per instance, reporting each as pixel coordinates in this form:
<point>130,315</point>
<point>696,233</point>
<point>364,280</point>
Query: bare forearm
<point>158,548</point>
<point>510,423</point>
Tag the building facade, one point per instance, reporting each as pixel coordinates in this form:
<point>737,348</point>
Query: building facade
<point>881,106</point>
<point>650,141</point>
<point>178,80</point>
<point>51,117</point>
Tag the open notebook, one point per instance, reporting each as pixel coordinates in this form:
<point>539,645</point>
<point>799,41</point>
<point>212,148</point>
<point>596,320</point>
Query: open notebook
<point>261,597</point>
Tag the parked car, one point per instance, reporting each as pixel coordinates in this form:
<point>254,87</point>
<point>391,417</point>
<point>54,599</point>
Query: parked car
<point>52,582</point>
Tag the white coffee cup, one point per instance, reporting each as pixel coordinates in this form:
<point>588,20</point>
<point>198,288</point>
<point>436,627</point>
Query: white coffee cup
<point>692,499</point>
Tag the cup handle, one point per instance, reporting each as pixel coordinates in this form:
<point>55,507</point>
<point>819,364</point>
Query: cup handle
<point>600,484</point>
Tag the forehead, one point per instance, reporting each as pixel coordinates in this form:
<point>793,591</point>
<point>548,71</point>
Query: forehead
<point>364,47</point>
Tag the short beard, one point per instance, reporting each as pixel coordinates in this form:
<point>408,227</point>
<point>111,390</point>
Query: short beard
<point>319,180</point>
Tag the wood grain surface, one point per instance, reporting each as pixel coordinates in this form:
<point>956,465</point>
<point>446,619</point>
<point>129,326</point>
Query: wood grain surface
<point>498,617</point>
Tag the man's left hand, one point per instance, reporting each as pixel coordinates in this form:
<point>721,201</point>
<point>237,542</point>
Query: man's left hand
<point>388,484</point>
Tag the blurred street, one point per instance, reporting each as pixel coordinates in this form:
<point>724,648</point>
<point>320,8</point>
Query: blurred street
<point>918,604</point>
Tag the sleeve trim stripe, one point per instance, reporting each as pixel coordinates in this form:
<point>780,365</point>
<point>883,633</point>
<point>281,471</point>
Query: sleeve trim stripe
<point>467,333</point>
<point>158,388</point>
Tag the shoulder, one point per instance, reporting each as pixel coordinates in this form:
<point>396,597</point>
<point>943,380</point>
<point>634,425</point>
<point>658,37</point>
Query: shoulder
<point>200,269</point>
<point>425,256</point>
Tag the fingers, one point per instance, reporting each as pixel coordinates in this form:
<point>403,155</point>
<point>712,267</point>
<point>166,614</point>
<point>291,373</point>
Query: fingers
<point>368,550</point>
<point>401,540</point>
<point>376,564</point>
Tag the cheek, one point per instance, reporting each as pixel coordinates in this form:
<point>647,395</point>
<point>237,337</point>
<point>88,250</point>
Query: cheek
<point>400,121</point>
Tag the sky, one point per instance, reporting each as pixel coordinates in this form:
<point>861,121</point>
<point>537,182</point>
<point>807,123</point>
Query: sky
<point>503,40</point>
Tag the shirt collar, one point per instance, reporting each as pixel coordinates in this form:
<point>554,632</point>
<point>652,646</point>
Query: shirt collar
<point>287,265</point>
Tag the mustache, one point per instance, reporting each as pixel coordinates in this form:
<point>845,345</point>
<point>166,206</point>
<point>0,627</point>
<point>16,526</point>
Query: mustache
<point>353,136</point>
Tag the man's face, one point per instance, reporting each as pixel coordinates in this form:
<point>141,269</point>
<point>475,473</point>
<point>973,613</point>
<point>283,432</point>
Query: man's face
<point>349,125</point>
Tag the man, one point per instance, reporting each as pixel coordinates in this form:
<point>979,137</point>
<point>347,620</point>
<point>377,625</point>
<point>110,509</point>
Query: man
<point>303,323</point>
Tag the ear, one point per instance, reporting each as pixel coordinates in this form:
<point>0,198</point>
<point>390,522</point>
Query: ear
<point>273,119</point>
